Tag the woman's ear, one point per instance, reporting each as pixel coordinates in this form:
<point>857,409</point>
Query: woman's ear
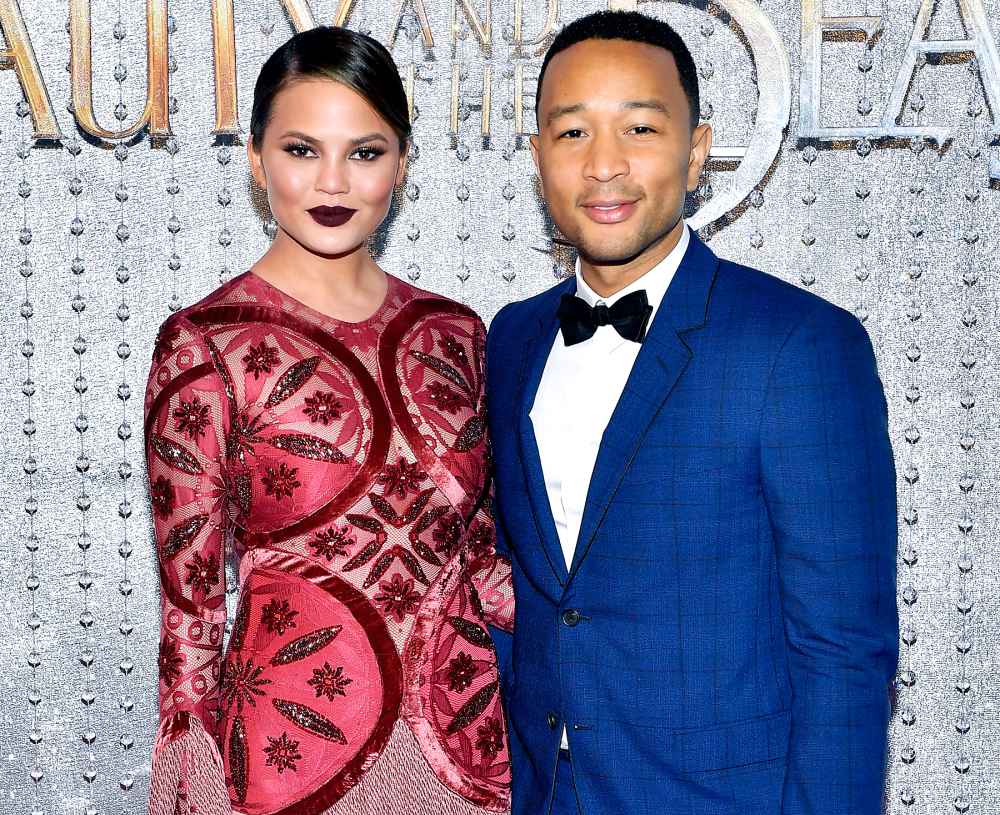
<point>404,156</point>
<point>256,162</point>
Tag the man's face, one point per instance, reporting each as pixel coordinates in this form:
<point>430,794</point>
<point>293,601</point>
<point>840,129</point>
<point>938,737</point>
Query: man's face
<point>614,150</point>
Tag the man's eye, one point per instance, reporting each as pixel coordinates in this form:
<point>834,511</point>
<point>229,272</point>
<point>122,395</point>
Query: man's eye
<point>643,129</point>
<point>573,134</point>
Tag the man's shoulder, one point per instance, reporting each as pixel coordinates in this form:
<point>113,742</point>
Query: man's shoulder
<point>760,296</point>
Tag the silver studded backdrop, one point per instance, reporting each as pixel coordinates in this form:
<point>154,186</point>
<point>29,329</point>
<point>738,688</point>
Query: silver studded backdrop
<point>99,243</point>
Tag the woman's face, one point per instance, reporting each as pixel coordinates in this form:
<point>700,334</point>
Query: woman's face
<point>329,164</point>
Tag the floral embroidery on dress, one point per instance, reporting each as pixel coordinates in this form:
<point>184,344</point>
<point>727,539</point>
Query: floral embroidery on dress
<point>489,737</point>
<point>398,597</point>
<point>448,533</point>
<point>282,753</point>
<point>323,407</point>
<point>333,542</point>
<point>330,682</point>
<point>402,478</point>
<point>446,398</point>
<point>278,616</point>
<point>162,496</point>
<point>261,359</point>
<point>242,683</point>
<point>192,417</point>
<point>170,661</point>
<point>480,537</point>
<point>203,572</point>
<point>461,672</point>
<point>281,481</point>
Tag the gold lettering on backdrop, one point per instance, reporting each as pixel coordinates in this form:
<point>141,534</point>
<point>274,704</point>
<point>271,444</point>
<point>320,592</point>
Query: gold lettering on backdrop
<point>156,113</point>
<point>487,99</point>
<point>300,14</point>
<point>552,14</point>
<point>224,50</point>
<point>483,29</point>
<point>774,104</point>
<point>425,25</point>
<point>20,56</point>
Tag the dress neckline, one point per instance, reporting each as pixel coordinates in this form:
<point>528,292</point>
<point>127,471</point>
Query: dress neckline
<point>391,284</point>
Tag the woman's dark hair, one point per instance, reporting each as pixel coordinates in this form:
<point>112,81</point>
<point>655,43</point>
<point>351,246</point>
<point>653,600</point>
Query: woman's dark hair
<point>634,27</point>
<point>330,52</point>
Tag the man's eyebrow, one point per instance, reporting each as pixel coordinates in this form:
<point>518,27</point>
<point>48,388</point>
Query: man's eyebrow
<point>632,104</point>
<point>647,104</point>
<point>563,110</point>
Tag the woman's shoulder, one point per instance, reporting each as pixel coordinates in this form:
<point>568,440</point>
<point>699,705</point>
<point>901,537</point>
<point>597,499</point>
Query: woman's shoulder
<point>433,304</point>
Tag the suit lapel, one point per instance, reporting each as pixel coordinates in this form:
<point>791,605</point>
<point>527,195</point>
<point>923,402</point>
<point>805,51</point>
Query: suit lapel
<point>535,354</point>
<point>660,363</point>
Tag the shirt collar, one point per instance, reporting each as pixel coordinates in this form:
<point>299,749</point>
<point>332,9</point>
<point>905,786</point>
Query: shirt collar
<point>655,281</point>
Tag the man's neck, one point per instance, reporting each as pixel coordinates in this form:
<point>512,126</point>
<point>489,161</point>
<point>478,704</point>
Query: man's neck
<point>608,280</point>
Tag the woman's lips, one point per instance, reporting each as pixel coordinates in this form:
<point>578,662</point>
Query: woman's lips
<point>331,216</point>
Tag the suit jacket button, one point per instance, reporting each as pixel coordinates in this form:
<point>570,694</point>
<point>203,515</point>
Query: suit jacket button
<point>571,617</point>
<point>553,720</point>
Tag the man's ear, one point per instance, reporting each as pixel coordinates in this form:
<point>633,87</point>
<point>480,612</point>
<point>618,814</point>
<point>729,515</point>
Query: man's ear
<point>701,146</point>
<point>255,160</point>
<point>533,143</point>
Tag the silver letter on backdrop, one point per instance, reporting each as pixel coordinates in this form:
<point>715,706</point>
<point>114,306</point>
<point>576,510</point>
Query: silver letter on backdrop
<point>21,57</point>
<point>774,104</point>
<point>814,24</point>
<point>980,42</point>
<point>156,113</point>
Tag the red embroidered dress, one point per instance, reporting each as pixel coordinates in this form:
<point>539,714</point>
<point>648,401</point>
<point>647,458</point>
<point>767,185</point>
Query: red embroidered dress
<point>345,466</point>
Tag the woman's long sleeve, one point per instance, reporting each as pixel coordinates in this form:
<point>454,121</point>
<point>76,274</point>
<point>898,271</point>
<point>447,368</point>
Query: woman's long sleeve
<point>186,423</point>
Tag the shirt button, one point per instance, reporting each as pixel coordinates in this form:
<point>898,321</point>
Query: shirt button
<point>553,720</point>
<point>571,617</point>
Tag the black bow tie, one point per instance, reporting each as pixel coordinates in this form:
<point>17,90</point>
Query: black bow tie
<point>629,316</point>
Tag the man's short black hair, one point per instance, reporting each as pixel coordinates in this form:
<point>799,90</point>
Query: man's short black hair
<point>634,27</point>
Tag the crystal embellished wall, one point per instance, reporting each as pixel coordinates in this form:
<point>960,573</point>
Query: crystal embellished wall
<point>101,239</point>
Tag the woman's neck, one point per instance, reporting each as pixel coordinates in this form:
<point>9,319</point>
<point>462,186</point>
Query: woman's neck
<point>348,287</point>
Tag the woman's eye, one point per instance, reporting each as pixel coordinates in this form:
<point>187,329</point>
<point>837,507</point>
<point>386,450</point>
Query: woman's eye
<point>368,153</point>
<point>298,150</point>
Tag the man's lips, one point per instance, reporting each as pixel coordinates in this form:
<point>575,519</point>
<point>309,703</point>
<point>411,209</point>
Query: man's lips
<point>611,211</point>
<point>331,216</point>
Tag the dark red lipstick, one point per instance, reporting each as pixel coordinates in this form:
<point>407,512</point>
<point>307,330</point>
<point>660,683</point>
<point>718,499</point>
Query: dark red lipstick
<point>331,216</point>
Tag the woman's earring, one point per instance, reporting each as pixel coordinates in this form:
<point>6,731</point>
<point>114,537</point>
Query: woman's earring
<point>271,228</point>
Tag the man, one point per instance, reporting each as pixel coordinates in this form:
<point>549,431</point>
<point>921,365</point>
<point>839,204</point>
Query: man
<point>694,482</point>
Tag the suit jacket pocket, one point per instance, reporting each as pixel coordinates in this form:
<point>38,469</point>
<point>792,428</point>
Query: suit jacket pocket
<point>732,744</point>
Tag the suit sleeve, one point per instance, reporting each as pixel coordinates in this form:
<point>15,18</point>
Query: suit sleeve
<point>185,430</point>
<point>829,485</point>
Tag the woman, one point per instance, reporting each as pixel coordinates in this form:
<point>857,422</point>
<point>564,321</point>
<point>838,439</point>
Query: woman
<point>324,421</point>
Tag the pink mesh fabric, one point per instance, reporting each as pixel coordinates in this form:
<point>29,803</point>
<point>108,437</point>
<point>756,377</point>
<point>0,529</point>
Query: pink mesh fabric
<point>187,776</point>
<point>347,463</point>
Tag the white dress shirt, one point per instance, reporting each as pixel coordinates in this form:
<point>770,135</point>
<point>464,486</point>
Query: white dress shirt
<point>579,389</point>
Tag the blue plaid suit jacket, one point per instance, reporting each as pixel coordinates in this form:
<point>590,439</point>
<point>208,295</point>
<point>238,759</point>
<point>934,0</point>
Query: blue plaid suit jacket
<point>732,629</point>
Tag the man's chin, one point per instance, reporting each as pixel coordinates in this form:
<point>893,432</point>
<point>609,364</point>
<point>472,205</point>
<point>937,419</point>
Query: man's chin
<point>609,254</point>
